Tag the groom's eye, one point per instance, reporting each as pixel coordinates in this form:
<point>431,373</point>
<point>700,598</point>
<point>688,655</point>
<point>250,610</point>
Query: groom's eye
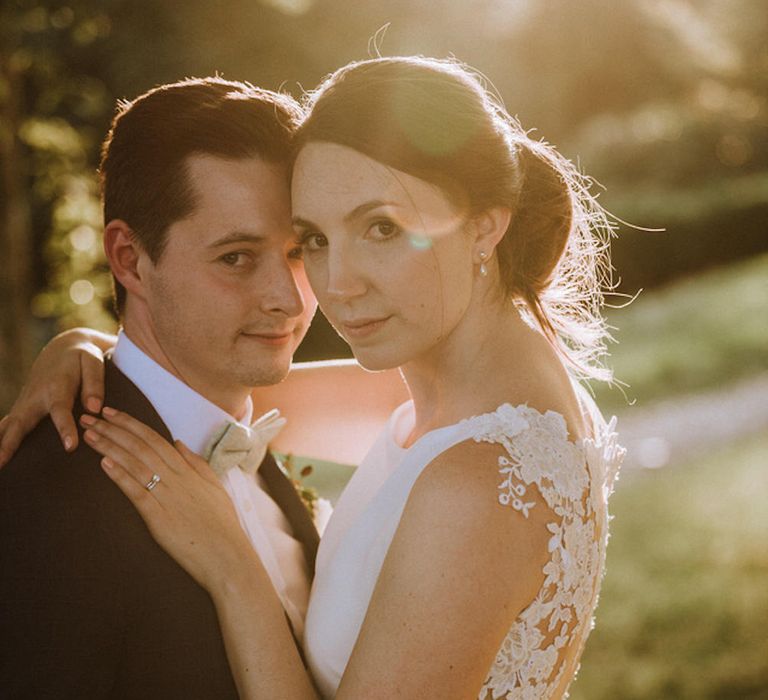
<point>235,259</point>
<point>296,253</point>
<point>313,241</point>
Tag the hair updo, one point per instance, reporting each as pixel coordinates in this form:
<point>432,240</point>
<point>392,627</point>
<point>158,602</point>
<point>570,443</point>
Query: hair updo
<point>434,119</point>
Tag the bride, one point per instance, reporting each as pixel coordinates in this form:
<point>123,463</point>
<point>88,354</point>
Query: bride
<point>464,557</point>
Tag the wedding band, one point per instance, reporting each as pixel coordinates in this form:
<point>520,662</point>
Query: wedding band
<point>154,481</point>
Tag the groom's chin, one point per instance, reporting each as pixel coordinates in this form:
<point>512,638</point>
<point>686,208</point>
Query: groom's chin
<point>266,374</point>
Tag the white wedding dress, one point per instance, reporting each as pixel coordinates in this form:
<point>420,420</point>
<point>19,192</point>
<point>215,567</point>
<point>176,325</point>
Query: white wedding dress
<point>540,653</point>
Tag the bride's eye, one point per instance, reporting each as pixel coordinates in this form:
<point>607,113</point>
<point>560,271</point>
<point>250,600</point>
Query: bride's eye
<point>383,229</point>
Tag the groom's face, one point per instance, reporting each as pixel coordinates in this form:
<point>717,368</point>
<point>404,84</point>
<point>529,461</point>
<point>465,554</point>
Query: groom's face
<point>228,297</point>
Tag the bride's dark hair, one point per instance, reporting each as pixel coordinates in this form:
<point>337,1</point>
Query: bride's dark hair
<point>434,119</point>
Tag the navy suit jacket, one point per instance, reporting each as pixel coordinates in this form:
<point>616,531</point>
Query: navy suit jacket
<point>90,606</point>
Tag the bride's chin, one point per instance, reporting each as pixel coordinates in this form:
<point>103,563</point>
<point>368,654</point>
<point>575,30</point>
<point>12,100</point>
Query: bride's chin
<point>374,362</point>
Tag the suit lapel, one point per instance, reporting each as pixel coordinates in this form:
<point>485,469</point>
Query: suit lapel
<point>284,494</point>
<point>131,400</point>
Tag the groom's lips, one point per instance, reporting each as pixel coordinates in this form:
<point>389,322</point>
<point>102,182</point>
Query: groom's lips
<point>273,339</point>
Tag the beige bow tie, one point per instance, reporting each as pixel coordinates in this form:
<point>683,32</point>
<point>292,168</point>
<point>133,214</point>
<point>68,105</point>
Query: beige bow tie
<point>236,445</point>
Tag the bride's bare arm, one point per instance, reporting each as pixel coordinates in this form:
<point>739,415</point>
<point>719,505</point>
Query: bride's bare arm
<point>460,569</point>
<point>72,361</point>
<point>262,655</point>
<point>334,408</point>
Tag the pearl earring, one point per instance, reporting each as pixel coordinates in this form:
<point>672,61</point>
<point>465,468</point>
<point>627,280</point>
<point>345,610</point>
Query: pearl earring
<point>483,268</point>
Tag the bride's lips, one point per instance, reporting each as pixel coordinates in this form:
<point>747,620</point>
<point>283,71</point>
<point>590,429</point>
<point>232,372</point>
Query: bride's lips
<point>362,327</point>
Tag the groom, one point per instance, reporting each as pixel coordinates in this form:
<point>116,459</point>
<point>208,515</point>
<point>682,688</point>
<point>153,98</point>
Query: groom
<point>213,301</point>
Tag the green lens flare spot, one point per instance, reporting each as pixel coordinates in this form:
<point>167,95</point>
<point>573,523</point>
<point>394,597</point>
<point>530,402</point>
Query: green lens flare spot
<point>420,242</point>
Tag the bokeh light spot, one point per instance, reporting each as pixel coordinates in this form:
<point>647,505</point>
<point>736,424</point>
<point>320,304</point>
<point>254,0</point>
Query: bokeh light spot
<point>44,305</point>
<point>653,453</point>
<point>81,292</point>
<point>733,150</point>
<point>291,7</point>
<point>62,18</point>
<point>82,238</point>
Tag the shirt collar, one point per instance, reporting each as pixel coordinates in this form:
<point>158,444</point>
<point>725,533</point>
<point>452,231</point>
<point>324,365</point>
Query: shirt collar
<point>189,417</point>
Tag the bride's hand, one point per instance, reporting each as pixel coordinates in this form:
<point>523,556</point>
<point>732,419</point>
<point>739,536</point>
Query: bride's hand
<point>187,510</point>
<point>72,359</point>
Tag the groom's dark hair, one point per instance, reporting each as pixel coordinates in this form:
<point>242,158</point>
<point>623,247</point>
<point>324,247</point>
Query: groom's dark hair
<point>143,174</point>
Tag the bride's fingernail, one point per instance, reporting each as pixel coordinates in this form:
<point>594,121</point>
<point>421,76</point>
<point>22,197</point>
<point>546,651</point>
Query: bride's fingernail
<point>85,419</point>
<point>107,411</point>
<point>91,436</point>
<point>107,463</point>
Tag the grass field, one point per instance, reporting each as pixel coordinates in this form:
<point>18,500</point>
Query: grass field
<point>692,335</point>
<point>684,606</point>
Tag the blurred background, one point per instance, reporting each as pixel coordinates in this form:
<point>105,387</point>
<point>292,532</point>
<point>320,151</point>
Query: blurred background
<point>663,102</point>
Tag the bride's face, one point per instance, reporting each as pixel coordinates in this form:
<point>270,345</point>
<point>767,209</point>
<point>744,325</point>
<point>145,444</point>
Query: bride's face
<point>386,254</point>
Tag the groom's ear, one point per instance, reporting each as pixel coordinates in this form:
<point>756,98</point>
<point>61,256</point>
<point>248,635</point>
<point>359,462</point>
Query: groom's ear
<point>124,254</point>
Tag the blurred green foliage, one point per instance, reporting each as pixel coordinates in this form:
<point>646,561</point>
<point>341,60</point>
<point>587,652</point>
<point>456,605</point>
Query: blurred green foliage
<point>52,105</point>
<point>697,333</point>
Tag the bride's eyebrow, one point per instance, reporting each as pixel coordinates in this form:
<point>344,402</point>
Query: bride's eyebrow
<point>303,223</point>
<point>356,213</point>
<point>364,208</point>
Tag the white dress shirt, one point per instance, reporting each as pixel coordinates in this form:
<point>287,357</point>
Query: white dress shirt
<point>194,420</point>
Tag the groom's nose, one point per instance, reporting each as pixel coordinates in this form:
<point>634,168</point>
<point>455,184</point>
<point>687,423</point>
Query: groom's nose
<point>279,292</point>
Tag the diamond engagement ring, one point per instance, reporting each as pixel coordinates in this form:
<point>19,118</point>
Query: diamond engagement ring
<point>154,481</point>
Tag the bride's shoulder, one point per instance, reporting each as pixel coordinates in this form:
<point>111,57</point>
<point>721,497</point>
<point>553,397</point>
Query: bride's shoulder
<point>456,500</point>
<point>540,382</point>
<point>515,460</point>
<point>469,476</point>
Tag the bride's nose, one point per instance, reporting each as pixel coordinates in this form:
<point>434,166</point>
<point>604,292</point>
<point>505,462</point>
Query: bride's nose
<point>345,277</point>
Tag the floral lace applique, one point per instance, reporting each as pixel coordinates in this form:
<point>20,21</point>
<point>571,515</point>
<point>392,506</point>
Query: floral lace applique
<point>575,481</point>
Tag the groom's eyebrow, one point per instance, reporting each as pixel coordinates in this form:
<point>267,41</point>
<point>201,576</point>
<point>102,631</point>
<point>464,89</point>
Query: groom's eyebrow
<point>236,237</point>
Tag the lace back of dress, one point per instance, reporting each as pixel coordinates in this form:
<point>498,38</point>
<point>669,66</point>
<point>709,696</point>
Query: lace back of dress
<point>539,656</point>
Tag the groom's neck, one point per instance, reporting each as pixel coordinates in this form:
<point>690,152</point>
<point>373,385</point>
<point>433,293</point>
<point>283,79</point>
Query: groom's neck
<point>232,400</point>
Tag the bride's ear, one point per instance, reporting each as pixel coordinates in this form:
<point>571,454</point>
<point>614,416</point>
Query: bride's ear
<point>124,254</point>
<point>489,228</point>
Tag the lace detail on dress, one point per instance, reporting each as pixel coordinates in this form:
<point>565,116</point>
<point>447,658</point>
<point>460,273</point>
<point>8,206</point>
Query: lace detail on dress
<point>574,480</point>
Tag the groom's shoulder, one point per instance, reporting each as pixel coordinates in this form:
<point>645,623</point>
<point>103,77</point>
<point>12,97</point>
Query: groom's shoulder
<point>56,508</point>
<point>45,484</point>
<point>42,458</point>
<point>43,471</point>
